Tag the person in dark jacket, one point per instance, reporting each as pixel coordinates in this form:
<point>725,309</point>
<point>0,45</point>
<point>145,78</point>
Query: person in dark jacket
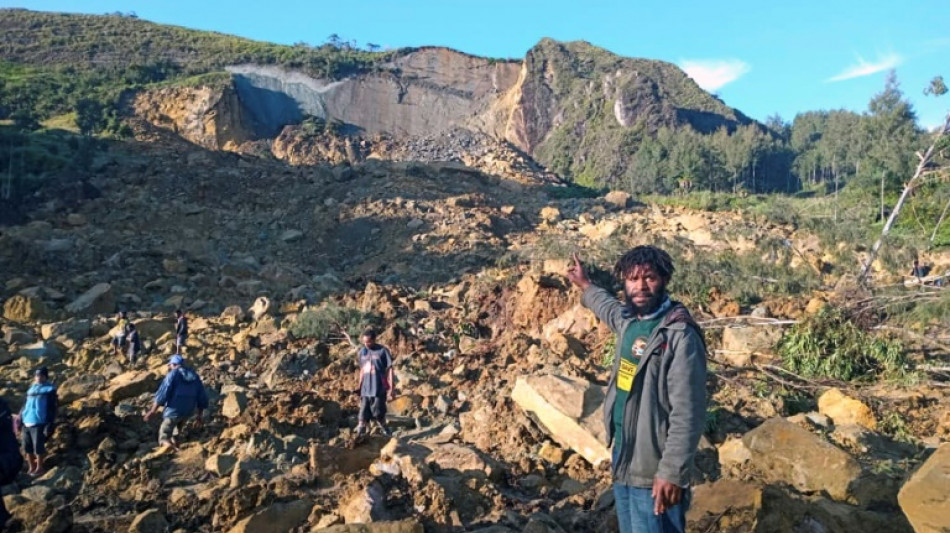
<point>135,344</point>
<point>11,462</point>
<point>181,394</point>
<point>38,418</point>
<point>375,382</point>
<point>655,406</point>
<point>181,330</point>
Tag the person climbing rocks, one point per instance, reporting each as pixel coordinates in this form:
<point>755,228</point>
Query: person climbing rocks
<point>38,419</point>
<point>118,340</point>
<point>182,394</point>
<point>181,331</point>
<point>375,382</point>
<point>135,344</point>
<point>11,462</point>
<point>655,408</point>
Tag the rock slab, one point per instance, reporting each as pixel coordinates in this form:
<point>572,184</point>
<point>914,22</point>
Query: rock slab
<point>786,453</point>
<point>569,408</point>
<point>925,498</point>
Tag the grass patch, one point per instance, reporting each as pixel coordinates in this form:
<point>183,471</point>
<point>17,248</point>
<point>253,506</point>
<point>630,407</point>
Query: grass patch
<point>332,322</point>
<point>830,345</point>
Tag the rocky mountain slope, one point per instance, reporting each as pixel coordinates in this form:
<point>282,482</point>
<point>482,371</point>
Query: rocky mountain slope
<point>572,107</point>
<point>499,368</point>
<point>451,238</point>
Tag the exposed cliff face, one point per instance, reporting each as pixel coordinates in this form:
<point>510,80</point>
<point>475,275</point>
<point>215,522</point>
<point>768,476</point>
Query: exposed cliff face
<point>211,117</point>
<point>575,108</point>
<point>421,93</point>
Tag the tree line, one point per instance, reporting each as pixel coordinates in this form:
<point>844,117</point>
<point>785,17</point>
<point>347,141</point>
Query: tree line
<point>823,151</point>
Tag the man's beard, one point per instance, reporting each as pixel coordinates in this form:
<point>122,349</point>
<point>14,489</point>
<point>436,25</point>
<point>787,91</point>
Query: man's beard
<point>656,299</point>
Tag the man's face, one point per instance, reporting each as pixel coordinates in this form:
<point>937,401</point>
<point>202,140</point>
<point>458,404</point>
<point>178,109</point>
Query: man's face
<point>644,288</point>
<point>368,341</point>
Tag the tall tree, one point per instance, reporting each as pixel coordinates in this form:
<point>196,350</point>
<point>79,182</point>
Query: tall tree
<point>892,133</point>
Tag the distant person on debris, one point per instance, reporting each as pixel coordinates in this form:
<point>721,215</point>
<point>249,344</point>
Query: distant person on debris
<point>376,382</point>
<point>118,341</point>
<point>11,462</point>
<point>918,271</point>
<point>655,408</point>
<point>135,344</point>
<point>181,394</point>
<point>38,418</point>
<point>181,331</point>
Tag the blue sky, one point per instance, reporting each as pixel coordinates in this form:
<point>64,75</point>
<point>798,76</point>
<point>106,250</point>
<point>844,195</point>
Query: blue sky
<point>762,57</point>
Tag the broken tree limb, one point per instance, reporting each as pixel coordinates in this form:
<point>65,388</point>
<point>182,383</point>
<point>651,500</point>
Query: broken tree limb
<point>909,187</point>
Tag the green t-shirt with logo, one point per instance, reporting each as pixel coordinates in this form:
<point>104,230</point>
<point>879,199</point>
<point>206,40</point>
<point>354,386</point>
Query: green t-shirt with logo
<point>631,349</point>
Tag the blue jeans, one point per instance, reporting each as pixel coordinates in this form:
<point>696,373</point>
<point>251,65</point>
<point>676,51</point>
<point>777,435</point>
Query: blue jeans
<point>635,510</point>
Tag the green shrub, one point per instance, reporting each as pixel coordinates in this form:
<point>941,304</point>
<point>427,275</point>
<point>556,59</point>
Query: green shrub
<point>332,322</point>
<point>830,345</point>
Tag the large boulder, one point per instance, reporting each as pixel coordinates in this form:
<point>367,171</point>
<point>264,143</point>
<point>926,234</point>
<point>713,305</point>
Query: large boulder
<point>39,349</point>
<point>783,452</point>
<point>234,404</point>
<point>289,365</point>
<point>96,301</point>
<point>221,464</point>
<point>576,322</point>
<point>23,308</point>
<point>740,343</point>
<point>925,498</point>
<point>406,526</point>
<point>844,410</point>
<point>569,409</point>
<point>12,335</point>
<point>130,385</point>
<point>74,330</point>
<point>151,521</point>
<point>276,518</point>
<point>79,386</point>
<point>154,328</point>
<point>365,506</point>
<point>466,461</point>
<point>619,199</point>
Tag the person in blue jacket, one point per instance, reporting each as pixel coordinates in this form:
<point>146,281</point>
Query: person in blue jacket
<point>38,418</point>
<point>181,394</point>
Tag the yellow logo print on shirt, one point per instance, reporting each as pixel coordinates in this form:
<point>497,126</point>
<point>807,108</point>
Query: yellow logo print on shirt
<point>628,369</point>
<point>625,375</point>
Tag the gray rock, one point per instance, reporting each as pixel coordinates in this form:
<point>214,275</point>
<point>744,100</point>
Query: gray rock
<point>97,300</point>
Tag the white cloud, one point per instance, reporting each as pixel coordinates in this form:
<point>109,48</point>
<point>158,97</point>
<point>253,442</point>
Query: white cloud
<point>711,74</point>
<point>866,68</point>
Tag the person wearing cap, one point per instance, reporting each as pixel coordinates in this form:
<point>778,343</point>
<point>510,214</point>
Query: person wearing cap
<point>181,394</point>
<point>38,418</point>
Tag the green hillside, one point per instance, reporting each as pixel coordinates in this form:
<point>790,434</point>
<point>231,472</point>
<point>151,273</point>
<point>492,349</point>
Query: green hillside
<point>50,61</point>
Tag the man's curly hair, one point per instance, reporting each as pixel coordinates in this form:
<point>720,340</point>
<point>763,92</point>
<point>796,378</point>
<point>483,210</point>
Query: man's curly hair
<point>651,256</point>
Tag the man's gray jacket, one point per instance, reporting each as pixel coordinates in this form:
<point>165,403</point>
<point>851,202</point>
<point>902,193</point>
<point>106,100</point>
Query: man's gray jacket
<point>666,410</point>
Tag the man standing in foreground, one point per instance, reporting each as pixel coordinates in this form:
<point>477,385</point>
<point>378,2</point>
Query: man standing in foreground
<point>181,393</point>
<point>655,408</point>
<point>376,382</point>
